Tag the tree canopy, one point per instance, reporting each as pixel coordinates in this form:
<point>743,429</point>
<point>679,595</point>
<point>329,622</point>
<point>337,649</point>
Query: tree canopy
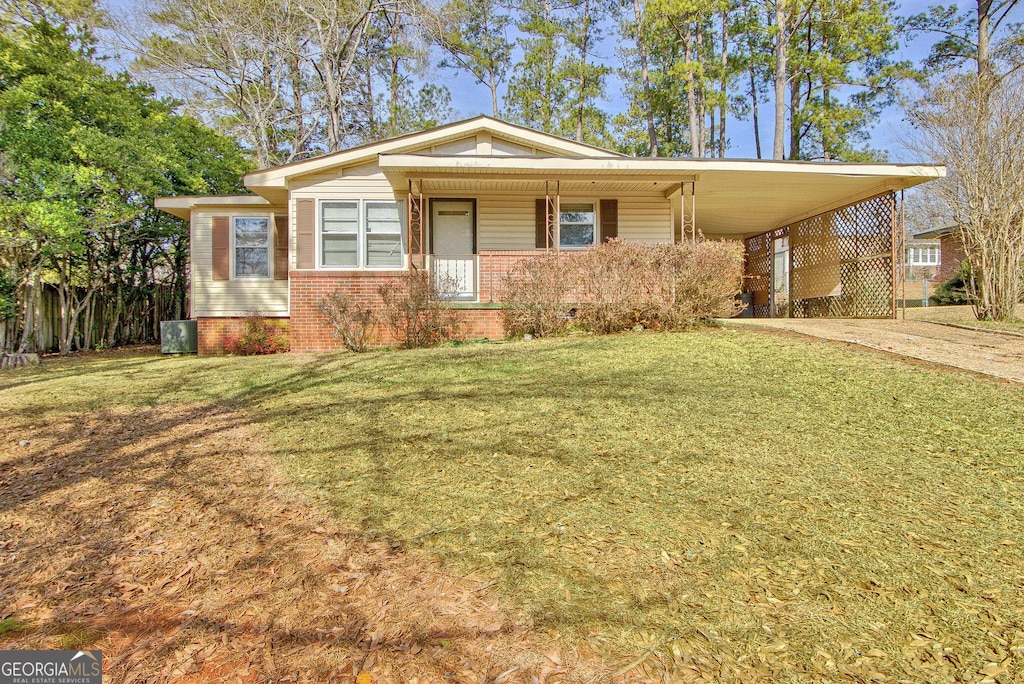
<point>84,152</point>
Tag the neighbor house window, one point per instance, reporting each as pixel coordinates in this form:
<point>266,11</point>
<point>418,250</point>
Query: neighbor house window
<point>361,234</point>
<point>339,234</point>
<point>576,225</point>
<point>383,235</point>
<point>252,247</point>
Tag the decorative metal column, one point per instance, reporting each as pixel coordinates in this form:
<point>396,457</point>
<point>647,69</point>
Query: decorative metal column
<point>417,234</point>
<point>553,212</point>
<point>688,198</point>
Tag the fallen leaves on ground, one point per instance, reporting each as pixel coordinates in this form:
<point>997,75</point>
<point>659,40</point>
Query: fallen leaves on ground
<point>168,539</point>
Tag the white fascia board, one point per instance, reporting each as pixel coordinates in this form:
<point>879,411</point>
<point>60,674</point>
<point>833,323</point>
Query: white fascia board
<point>182,205</point>
<point>412,164</point>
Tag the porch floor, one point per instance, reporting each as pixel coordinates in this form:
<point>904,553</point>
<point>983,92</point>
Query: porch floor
<point>989,353</point>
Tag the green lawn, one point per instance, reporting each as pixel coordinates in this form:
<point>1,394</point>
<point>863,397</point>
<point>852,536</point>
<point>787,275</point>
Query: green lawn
<point>727,503</point>
<point>964,315</point>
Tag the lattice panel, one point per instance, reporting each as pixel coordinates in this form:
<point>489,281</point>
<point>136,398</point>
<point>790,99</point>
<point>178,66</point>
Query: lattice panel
<point>758,271</point>
<point>841,262</point>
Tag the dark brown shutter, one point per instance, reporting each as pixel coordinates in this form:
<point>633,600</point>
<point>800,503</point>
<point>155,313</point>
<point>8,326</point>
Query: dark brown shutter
<point>221,248</point>
<point>609,219</point>
<point>305,233</point>
<point>544,240</point>
<point>281,248</point>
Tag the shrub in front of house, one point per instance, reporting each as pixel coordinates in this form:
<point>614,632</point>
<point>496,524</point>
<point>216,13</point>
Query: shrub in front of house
<point>416,308</point>
<point>350,323</point>
<point>259,336</point>
<point>618,285</point>
<point>536,294</point>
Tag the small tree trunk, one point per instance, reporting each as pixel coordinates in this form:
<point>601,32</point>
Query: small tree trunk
<point>691,96</point>
<point>779,78</point>
<point>753,109</point>
<point>645,79</point>
<point>724,84</point>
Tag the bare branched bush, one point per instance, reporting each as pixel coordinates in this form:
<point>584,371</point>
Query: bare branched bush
<point>537,295</point>
<point>975,126</point>
<point>417,309</point>
<point>350,323</point>
<point>618,285</point>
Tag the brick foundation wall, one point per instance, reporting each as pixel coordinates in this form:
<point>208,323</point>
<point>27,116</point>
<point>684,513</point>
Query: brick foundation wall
<point>214,332</point>
<point>307,288</point>
<point>493,266</point>
<point>481,323</point>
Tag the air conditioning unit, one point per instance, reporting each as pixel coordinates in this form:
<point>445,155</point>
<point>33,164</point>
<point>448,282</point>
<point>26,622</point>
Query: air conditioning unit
<point>179,337</point>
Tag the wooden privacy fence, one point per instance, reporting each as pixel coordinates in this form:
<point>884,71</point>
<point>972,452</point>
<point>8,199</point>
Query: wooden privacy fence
<point>134,321</point>
<point>838,264</point>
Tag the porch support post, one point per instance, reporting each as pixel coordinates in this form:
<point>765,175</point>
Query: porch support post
<point>415,223</point>
<point>553,214</point>
<point>897,269</point>
<point>688,198</point>
<point>903,252</point>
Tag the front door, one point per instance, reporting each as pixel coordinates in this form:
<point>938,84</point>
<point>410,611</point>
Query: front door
<point>453,246</point>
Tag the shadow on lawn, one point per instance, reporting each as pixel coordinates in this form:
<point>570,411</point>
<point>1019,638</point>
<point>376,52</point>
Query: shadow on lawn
<point>169,536</point>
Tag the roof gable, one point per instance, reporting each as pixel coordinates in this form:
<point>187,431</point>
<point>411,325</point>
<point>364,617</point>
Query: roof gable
<point>484,131</point>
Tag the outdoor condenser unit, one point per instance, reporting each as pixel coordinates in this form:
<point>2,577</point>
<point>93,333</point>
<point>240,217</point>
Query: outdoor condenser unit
<point>179,337</point>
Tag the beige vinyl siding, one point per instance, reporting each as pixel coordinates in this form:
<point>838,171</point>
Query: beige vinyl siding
<point>504,148</point>
<point>342,185</point>
<point>505,217</point>
<point>233,297</point>
<point>464,146</point>
<point>646,218</point>
<point>505,222</point>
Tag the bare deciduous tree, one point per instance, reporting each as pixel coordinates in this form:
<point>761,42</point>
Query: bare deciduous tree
<point>975,125</point>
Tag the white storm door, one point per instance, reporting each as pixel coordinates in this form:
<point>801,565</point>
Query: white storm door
<point>452,245</point>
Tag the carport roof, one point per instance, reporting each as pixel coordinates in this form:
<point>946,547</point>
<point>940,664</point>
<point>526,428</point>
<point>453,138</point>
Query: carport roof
<point>733,197</point>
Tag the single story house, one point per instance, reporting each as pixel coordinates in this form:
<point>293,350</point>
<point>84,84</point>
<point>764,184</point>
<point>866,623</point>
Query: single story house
<point>469,199</point>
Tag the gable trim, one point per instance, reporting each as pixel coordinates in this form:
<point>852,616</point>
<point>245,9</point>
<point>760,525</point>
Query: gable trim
<point>278,176</point>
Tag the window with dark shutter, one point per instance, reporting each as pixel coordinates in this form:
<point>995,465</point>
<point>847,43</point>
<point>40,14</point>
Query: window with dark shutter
<point>221,248</point>
<point>609,219</point>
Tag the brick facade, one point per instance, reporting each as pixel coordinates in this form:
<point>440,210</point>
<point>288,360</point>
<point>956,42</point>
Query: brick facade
<point>493,266</point>
<point>951,250</point>
<point>307,287</point>
<point>214,332</point>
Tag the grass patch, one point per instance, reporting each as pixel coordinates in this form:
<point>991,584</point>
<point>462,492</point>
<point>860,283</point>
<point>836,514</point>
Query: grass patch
<point>727,501</point>
<point>964,315</point>
<point>74,637</point>
<point>12,625</point>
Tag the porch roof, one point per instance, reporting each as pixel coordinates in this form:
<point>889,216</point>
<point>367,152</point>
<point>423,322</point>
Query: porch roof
<point>733,197</point>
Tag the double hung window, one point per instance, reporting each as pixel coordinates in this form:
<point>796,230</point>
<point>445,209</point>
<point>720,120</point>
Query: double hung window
<point>576,225</point>
<point>252,247</point>
<point>362,234</point>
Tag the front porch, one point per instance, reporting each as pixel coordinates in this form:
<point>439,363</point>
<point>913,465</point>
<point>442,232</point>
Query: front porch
<point>835,259</point>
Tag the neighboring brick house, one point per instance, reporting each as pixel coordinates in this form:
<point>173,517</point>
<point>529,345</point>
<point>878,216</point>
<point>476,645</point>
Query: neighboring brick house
<point>470,199</point>
<point>951,250</point>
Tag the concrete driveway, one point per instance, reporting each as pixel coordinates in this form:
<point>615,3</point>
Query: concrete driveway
<point>997,354</point>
